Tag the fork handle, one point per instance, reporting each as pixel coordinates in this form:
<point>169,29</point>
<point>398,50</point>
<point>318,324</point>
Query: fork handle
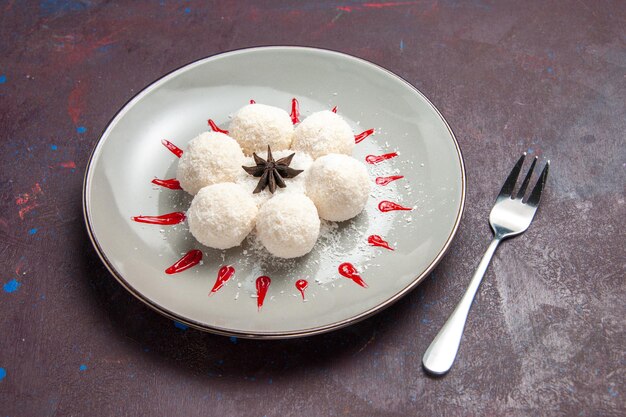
<point>442,351</point>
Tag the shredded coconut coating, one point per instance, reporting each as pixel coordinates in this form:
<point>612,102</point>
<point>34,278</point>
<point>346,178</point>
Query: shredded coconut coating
<point>257,125</point>
<point>222,215</point>
<point>210,158</point>
<point>288,225</point>
<point>323,133</point>
<point>249,183</point>
<point>301,161</point>
<point>339,186</point>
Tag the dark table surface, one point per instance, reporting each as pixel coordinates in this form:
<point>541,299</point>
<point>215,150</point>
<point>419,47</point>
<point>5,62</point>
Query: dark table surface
<point>547,332</point>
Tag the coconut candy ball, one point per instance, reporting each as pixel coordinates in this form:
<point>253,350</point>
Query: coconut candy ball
<point>222,215</point>
<point>323,133</point>
<point>338,185</point>
<point>257,125</point>
<point>288,225</point>
<point>210,158</point>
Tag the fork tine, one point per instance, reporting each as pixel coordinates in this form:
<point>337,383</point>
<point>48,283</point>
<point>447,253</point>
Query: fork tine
<point>522,189</point>
<point>509,184</point>
<point>535,196</point>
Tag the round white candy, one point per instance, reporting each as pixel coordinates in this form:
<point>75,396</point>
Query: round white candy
<point>338,185</point>
<point>257,125</point>
<point>222,215</point>
<point>288,225</point>
<point>210,158</point>
<point>323,133</point>
<point>249,183</point>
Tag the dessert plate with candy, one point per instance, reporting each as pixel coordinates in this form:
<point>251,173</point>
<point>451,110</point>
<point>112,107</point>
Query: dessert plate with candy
<point>274,192</point>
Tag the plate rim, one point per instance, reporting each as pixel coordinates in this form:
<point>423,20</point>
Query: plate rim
<point>261,334</point>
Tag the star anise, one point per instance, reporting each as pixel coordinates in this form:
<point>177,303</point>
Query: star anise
<point>272,172</point>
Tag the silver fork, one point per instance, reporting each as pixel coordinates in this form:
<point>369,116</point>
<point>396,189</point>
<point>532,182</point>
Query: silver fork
<point>509,217</point>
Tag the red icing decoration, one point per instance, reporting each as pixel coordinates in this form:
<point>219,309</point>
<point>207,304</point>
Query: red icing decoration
<point>302,285</point>
<point>386,206</point>
<point>376,240</point>
<point>358,138</point>
<point>349,271</point>
<point>223,275</point>
<point>334,110</point>
<point>216,128</point>
<point>295,111</point>
<point>191,258</point>
<point>252,102</point>
<point>373,159</point>
<point>387,180</point>
<point>172,184</point>
<point>262,284</point>
<point>164,219</point>
<point>173,148</point>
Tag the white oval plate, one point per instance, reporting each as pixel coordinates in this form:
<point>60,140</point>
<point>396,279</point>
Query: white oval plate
<point>130,154</point>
